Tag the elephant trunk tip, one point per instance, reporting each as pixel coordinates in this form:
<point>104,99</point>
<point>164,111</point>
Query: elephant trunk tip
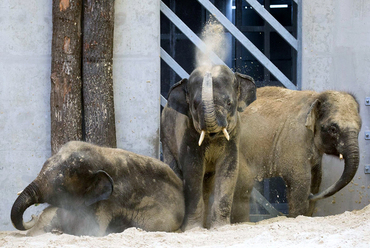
<point>29,196</point>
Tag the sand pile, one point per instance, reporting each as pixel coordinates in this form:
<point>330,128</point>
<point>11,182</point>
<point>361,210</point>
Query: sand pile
<point>350,229</point>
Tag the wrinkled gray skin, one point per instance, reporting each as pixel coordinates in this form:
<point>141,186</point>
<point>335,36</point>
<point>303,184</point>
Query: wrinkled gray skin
<point>285,133</point>
<point>212,167</point>
<point>96,191</point>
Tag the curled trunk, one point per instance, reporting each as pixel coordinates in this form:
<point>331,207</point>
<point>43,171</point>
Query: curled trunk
<point>351,159</point>
<point>29,196</point>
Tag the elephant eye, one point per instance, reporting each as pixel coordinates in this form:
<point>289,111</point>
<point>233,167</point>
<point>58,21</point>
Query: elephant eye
<point>333,128</point>
<point>229,102</point>
<point>196,103</point>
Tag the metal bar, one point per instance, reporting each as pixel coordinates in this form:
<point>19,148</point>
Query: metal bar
<point>190,34</point>
<point>266,204</point>
<point>163,101</point>
<point>248,44</point>
<point>274,23</point>
<point>173,64</point>
<point>299,51</point>
<point>267,50</point>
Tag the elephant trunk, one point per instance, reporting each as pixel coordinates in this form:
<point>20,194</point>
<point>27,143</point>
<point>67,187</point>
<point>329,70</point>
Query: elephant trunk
<point>351,158</point>
<point>208,104</point>
<point>29,196</point>
<point>208,107</point>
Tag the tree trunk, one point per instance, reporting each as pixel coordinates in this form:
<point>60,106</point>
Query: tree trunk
<point>65,97</point>
<point>98,104</point>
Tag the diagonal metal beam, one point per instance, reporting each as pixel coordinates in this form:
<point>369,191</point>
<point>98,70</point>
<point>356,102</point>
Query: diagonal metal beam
<point>248,44</point>
<point>265,203</point>
<point>173,64</point>
<point>190,34</point>
<point>273,22</point>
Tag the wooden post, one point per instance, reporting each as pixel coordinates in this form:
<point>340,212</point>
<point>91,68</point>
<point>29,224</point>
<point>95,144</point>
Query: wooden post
<point>98,104</point>
<point>65,97</point>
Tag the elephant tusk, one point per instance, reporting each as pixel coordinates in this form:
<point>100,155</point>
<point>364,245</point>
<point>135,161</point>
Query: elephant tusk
<point>340,156</point>
<point>202,134</point>
<point>226,134</point>
<point>20,192</point>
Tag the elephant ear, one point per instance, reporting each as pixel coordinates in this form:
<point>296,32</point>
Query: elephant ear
<point>312,115</point>
<point>177,97</point>
<point>100,189</point>
<point>247,90</point>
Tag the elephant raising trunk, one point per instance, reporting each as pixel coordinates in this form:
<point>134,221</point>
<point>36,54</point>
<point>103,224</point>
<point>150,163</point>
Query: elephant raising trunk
<point>29,196</point>
<point>209,109</point>
<point>351,158</point>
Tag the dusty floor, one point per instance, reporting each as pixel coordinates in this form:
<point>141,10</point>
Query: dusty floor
<point>350,229</point>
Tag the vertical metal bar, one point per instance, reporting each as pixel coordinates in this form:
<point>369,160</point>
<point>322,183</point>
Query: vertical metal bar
<point>293,52</point>
<point>238,23</point>
<point>172,41</point>
<point>299,50</point>
<point>267,36</point>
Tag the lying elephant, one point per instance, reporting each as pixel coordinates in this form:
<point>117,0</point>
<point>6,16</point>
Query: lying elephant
<point>200,140</point>
<point>96,191</point>
<point>285,133</point>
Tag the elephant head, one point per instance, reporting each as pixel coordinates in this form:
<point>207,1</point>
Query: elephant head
<point>335,120</point>
<point>69,182</point>
<point>211,97</point>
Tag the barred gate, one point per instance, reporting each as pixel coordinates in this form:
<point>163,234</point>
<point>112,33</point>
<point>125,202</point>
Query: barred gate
<point>243,45</point>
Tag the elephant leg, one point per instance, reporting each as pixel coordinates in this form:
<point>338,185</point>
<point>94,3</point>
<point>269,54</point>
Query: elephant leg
<point>316,177</point>
<point>240,209</point>
<point>243,190</point>
<point>193,191</point>
<point>208,197</point>
<point>169,159</point>
<point>225,182</point>
<point>298,190</point>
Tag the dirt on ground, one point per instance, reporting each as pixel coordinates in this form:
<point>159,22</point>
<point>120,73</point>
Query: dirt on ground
<point>350,229</point>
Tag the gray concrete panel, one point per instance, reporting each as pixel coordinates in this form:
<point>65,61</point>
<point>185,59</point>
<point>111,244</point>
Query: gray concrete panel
<point>336,52</point>
<point>25,48</point>
<point>136,75</point>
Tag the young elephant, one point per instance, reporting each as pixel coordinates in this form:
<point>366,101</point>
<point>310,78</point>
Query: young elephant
<point>96,191</point>
<point>285,133</point>
<point>200,140</point>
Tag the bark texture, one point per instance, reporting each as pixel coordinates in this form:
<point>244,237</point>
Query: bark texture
<point>98,104</point>
<point>66,85</point>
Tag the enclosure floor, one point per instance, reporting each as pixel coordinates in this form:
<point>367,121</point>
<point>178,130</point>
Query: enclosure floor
<point>350,229</point>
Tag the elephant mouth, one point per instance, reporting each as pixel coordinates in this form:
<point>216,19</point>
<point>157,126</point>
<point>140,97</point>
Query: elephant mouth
<point>213,135</point>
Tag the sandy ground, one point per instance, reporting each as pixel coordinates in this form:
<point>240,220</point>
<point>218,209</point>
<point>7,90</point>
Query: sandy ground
<point>350,229</point>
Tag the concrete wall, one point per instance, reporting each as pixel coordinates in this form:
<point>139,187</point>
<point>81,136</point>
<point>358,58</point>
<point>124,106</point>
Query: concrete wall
<point>25,48</point>
<point>336,56</point>
<point>25,59</point>
<point>136,75</point>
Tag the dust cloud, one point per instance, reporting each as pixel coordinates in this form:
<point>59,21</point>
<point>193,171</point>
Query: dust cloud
<point>213,35</point>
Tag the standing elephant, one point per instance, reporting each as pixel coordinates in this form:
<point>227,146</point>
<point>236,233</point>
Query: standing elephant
<point>285,134</point>
<point>200,140</point>
<point>96,191</point>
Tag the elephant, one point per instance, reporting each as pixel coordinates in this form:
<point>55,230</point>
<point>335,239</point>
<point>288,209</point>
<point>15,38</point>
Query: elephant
<point>285,133</point>
<point>97,190</point>
<point>200,140</point>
